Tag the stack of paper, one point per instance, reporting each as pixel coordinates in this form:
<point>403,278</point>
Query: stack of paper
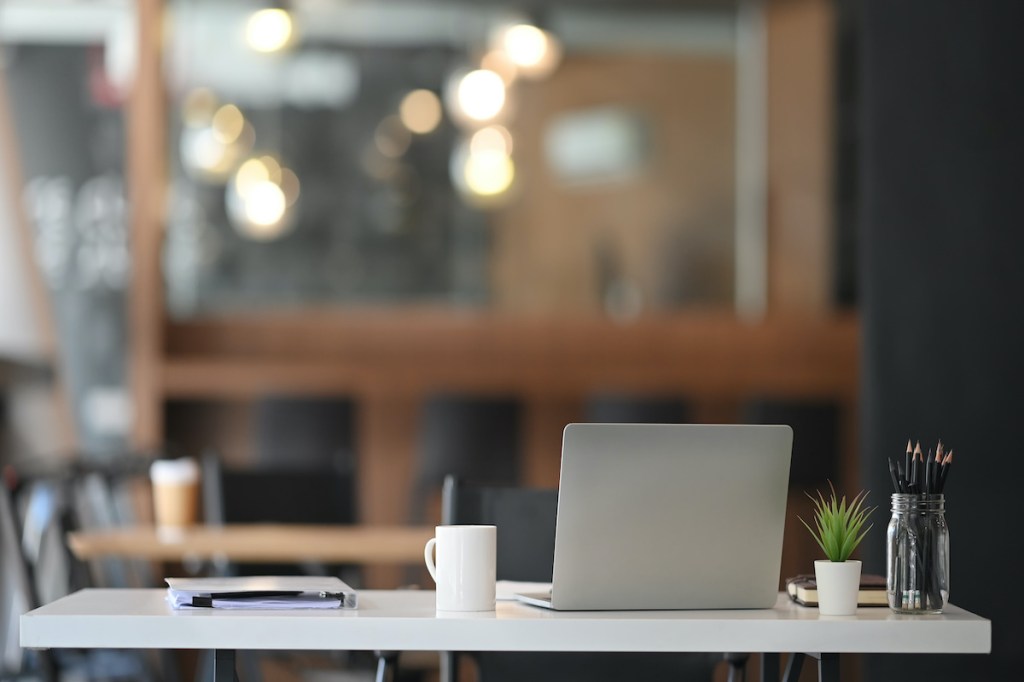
<point>263,592</point>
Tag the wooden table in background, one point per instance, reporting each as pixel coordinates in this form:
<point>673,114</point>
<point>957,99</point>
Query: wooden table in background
<point>259,543</point>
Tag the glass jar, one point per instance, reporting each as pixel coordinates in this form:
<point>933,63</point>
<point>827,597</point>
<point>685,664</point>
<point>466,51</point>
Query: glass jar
<point>917,567</point>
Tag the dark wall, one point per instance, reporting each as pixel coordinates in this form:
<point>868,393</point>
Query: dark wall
<point>72,152</point>
<point>942,283</point>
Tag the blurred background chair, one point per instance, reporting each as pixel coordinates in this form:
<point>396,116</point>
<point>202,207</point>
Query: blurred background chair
<point>525,552</point>
<point>278,494</point>
<point>300,493</point>
<point>17,596</point>
<point>477,438</point>
<point>304,433</point>
<point>46,508</point>
<point>623,408</point>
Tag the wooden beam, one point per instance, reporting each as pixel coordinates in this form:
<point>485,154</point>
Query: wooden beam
<point>414,352</point>
<point>146,182</point>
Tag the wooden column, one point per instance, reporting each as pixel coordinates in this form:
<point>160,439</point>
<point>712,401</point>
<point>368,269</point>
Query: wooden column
<point>146,181</point>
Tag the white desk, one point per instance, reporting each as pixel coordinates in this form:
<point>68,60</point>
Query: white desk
<point>406,621</point>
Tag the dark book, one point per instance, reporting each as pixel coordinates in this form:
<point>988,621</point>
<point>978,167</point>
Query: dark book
<point>804,590</point>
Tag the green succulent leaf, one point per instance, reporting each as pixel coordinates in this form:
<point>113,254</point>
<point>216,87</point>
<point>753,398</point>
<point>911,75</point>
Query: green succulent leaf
<point>838,523</point>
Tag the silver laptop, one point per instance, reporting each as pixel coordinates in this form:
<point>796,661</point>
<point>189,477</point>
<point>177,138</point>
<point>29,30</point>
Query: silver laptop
<point>669,516</point>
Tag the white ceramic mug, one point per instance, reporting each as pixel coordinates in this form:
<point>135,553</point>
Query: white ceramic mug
<point>465,567</point>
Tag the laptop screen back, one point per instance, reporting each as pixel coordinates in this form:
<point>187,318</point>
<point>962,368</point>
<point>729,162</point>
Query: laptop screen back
<point>670,516</point>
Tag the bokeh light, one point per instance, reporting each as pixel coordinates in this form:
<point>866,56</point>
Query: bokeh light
<point>251,172</point>
<point>392,137</point>
<point>480,95</point>
<point>198,107</point>
<point>260,197</point>
<point>420,111</point>
<point>290,186</point>
<point>535,52</point>
<point>273,168</point>
<point>482,176</point>
<point>489,173</point>
<point>493,138</point>
<point>228,123</point>
<point>268,30</point>
<point>264,204</point>
<point>214,137</point>
<point>497,60</point>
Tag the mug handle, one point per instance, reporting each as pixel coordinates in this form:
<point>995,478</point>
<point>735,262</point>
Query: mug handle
<point>428,557</point>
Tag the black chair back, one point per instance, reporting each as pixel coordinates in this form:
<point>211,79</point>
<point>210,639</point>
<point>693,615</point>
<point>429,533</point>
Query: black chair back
<point>526,517</point>
<point>617,408</point>
<point>478,438</point>
<point>525,551</point>
<point>317,496</point>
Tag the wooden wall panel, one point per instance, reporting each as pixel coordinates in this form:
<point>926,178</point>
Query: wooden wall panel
<point>675,214</point>
<point>800,155</point>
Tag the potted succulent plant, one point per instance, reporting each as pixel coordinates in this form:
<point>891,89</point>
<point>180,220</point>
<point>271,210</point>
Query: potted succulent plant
<point>838,529</point>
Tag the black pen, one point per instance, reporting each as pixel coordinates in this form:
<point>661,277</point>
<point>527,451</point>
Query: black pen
<point>206,601</point>
<point>254,594</point>
<point>340,596</point>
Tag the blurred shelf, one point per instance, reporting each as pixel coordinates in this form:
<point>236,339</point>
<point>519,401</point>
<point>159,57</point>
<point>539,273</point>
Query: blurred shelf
<point>418,350</point>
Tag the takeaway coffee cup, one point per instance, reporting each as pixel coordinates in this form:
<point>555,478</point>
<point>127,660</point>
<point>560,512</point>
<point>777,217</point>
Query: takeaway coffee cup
<point>465,567</point>
<point>175,494</point>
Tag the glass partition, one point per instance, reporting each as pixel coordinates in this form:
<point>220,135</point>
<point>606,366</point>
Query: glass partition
<point>582,159</point>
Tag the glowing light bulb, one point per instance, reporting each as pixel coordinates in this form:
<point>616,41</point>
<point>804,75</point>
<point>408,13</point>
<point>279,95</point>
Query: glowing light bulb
<point>264,204</point>
<point>525,45</point>
<point>534,52</point>
<point>268,30</point>
<point>481,94</point>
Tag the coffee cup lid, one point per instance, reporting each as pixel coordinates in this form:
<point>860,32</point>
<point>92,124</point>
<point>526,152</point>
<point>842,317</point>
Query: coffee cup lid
<point>182,470</point>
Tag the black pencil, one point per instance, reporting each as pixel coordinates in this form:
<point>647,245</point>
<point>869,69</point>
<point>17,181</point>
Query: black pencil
<point>947,462</point>
<point>915,474</point>
<point>906,461</point>
<point>928,467</point>
<point>893,475</point>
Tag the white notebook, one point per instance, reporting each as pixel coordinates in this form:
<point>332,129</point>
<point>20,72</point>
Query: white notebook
<point>261,592</point>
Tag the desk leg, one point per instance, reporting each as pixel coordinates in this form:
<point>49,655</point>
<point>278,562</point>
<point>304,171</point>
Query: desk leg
<point>387,666</point>
<point>793,667</point>
<point>769,667</point>
<point>828,667</point>
<point>224,666</point>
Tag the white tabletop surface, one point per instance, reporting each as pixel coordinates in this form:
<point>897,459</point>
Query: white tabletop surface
<point>407,621</point>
